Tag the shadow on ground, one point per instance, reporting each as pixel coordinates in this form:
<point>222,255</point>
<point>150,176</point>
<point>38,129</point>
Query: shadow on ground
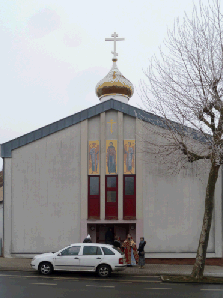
<point>190,279</point>
<point>81,274</point>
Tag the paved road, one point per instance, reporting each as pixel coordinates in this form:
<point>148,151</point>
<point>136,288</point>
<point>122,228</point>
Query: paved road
<point>87,285</point>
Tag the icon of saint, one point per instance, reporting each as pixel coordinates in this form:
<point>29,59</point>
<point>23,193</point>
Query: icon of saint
<point>111,158</point>
<point>129,158</point>
<point>93,156</point>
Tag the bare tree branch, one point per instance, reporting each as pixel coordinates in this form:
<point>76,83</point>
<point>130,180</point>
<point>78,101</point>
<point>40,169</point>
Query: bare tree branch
<point>185,89</point>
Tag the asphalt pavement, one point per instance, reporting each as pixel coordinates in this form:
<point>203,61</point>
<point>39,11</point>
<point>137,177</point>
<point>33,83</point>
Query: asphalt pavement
<point>69,284</point>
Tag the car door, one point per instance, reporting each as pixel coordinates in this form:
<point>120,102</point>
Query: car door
<point>68,259</point>
<point>90,258</point>
<point>110,256</point>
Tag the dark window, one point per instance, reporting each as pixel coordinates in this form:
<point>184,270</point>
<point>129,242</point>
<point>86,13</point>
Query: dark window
<point>107,251</point>
<point>111,196</point>
<point>71,251</point>
<point>90,250</point>
<point>129,186</point>
<point>94,186</point>
<point>99,251</point>
<point>111,181</point>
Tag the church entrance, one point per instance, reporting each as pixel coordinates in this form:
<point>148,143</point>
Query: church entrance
<point>98,231</point>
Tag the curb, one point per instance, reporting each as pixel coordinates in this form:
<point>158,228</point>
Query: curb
<point>13,269</point>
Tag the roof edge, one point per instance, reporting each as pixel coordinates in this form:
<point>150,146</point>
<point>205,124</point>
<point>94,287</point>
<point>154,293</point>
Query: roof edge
<point>111,104</point>
<point>7,147</point>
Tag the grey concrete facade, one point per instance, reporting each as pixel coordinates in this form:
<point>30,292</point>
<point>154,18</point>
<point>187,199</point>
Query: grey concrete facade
<point>174,207</point>
<point>7,208</point>
<point>42,194</point>
<point>45,194</point>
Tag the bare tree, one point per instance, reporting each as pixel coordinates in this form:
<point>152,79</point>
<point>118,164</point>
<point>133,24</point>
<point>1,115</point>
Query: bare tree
<point>185,88</point>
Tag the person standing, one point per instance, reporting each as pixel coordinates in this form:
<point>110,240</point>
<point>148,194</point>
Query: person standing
<point>117,242</point>
<point>109,236</point>
<point>87,239</point>
<point>130,251</point>
<point>141,251</point>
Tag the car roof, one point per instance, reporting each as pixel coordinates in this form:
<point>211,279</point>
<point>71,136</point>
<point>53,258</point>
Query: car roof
<point>90,244</point>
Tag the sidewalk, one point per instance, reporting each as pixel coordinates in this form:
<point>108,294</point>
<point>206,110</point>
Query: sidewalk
<point>21,264</point>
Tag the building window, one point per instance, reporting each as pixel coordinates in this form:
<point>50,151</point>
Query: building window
<point>94,186</point>
<point>129,186</point>
<point>129,197</point>
<point>111,182</point>
<point>111,197</point>
<point>93,197</point>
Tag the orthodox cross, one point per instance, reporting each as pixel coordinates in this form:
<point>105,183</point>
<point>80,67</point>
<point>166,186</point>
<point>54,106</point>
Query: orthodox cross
<point>114,39</point>
<point>111,122</point>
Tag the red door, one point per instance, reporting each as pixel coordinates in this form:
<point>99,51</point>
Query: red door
<point>129,197</point>
<point>111,197</point>
<point>93,197</point>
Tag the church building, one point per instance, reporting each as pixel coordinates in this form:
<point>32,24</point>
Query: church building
<point>86,173</point>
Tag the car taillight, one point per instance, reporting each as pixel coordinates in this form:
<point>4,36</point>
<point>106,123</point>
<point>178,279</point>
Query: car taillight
<point>121,261</point>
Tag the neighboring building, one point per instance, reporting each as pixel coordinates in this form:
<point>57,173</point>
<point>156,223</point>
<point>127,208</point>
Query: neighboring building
<point>1,211</point>
<point>85,173</point>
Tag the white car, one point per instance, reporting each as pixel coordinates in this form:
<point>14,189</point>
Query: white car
<point>101,258</point>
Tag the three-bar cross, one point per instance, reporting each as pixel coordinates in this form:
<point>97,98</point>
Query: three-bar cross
<point>114,39</point>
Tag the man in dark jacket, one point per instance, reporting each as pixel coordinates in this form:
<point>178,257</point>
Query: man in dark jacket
<point>117,242</point>
<point>109,237</point>
<point>87,239</point>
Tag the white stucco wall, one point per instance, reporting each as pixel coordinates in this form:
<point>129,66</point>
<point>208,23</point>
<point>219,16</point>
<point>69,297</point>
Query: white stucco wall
<point>174,208</point>
<point>7,207</point>
<point>173,213</point>
<point>129,127</point>
<point>46,193</point>
<point>94,128</point>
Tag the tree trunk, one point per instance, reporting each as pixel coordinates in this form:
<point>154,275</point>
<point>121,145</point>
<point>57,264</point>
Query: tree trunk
<point>198,268</point>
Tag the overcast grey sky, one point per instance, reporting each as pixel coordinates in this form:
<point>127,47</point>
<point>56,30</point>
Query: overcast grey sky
<point>53,53</point>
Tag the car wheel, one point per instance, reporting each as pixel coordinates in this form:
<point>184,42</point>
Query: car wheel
<point>45,268</point>
<point>104,271</point>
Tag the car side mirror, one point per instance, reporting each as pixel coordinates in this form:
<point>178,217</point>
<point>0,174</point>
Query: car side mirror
<point>60,254</point>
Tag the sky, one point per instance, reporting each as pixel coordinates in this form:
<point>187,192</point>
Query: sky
<point>53,53</point>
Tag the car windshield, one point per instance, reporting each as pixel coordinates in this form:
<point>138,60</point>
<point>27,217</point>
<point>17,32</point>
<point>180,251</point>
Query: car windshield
<point>118,249</point>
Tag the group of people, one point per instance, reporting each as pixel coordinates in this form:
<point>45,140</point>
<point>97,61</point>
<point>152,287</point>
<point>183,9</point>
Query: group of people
<point>132,254</point>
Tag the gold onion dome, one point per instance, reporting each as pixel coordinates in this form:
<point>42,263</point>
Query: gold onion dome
<point>114,83</point>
